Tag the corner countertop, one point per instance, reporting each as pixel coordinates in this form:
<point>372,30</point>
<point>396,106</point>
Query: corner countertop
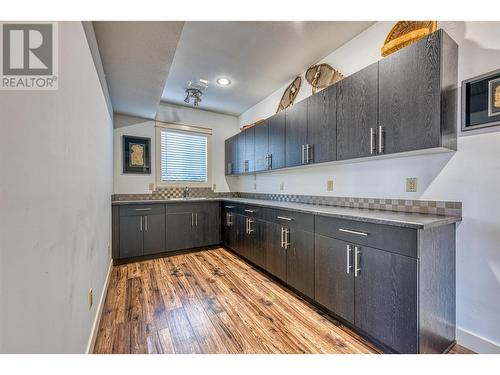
<point>399,219</point>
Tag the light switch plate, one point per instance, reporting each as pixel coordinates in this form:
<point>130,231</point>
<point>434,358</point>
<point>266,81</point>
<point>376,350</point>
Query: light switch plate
<point>214,187</point>
<point>329,185</point>
<point>282,186</point>
<point>151,186</point>
<point>411,184</point>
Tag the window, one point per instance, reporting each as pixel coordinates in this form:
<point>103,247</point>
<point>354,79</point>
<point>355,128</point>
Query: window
<point>183,156</point>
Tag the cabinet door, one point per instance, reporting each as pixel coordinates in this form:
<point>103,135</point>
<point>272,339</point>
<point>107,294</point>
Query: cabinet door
<point>261,145</point>
<point>207,224</point>
<point>386,298</point>
<point>295,133</point>
<point>240,153</point>
<point>357,100</point>
<point>230,155</point>
<point>131,236</point>
<point>322,125</point>
<point>229,229</point>
<point>154,234</point>
<point>250,149</point>
<point>275,254</point>
<point>276,125</point>
<point>260,241</point>
<point>300,261</point>
<point>239,243</point>
<point>334,279</point>
<point>409,96</point>
<point>180,230</point>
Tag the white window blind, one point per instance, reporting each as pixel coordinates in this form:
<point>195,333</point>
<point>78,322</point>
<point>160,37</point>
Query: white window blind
<point>183,156</point>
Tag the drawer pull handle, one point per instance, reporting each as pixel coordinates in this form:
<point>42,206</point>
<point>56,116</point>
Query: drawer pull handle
<point>285,218</point>
<point>229,206</point>
<point>143,209</point>
<point>353,232</point>
<point>250,211</point>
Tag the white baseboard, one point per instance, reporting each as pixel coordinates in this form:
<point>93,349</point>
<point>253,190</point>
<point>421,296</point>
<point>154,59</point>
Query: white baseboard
<point>476,343</point>
<point>97,319</point>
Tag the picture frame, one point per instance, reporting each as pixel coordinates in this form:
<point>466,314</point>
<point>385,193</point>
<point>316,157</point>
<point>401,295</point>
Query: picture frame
<point>481,101</point>
<point>136,154</point>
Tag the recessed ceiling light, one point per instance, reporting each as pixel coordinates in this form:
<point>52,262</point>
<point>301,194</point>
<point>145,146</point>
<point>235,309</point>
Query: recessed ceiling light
<point>223,81</point>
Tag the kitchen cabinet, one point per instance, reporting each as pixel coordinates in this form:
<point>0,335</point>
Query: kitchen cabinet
<point>385,297</point>
<point>261,141</point>
<point>249,164</point>
<point>404,103</point>
<point>321,142</point>
<point>142,230</point>
<point>417,96</point>
<point>275,251</point>
<point>334,276</point>
<point>239,139</point>
<point>300,260</point>
<point>357,112</point>
<point>229,226</point>
<point>230,154</point>
<point>276,124</point>
<point>296,134</point>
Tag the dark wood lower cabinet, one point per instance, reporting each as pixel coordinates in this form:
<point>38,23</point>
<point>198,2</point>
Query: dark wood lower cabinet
<point>130,236</point>
<point>154,234</point>
<point>386,298</point>
<point>300,261</point>
<point>179,230</point>
<point>334,276</point>
<point>275,253</point>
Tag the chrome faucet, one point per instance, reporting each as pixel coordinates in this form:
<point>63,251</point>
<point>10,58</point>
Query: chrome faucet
<point>185,192</point>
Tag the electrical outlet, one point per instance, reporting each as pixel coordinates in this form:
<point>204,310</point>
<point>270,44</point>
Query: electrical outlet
<point>91,298</point>
<point>329,185</point>
<point>282,186</point>
<point>151,186</point>
<point>411,184</point>
<point>214,187</point>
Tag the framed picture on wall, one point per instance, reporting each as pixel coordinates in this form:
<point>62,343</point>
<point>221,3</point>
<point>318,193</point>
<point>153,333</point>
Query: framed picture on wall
<point>481,101</point>
<point>136,155</point>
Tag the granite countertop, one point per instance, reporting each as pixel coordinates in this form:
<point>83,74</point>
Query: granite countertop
<point>399,219</point>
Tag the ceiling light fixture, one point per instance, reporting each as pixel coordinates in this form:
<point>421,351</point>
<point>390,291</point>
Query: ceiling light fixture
<point>223,81</point>
<point>195,94</point>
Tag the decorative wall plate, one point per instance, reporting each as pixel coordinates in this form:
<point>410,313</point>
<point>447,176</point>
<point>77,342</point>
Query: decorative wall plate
<point>290,94</point>
<point>404,33</point>
<point>321,76</point>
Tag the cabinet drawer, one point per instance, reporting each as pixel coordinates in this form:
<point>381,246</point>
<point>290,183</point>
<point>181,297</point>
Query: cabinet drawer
<point>294,220</point>
<point>398,240</point>
<point>142,209</point>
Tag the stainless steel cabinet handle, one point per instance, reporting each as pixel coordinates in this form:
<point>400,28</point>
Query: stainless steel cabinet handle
<point>303,154</point>
<point>192,219</point>
<point>287,238</point>
<point>348,262</point>
<point>140,223</point>
<point>353,232</point>
<point>146,223</point>
<point>229,206</point>
<point>229,168</point>
<point>282,237</point>
<point>284,218</point>
<point>381,137</point>
<point>372,142</point>
<point>269,161</point>
<point>356,261</point>
<point>309,154</point>
<point>250,230</point>
<point>250,211</point>
<point>196,219</point>
<point>143,209</point>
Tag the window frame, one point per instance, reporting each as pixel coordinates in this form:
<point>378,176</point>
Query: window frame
<point>180,128</point>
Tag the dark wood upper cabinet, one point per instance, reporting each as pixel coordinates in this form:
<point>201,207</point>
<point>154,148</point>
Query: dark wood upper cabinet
<point>261,137</point>
<point>334,276</point>
<point>322,126</point>
<point>357,100</point>
<point>276,124</point>
<point>231,155</point>
<point>412,83</point>
<point>295,134</point>
<point>240,153</point>
<point>386,298</point>
<point>249,150</point>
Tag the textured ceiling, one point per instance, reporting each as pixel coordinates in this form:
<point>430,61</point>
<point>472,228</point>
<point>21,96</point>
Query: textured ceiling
<point>258,57</point>
<point>137,57</point>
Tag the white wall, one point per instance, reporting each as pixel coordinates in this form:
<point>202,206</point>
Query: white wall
<point>471,175</point>
<point>55,199</point>
<point>223,126</point>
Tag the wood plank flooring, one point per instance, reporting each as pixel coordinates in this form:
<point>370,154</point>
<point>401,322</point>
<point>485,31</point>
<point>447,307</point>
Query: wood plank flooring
<point>213,302</point>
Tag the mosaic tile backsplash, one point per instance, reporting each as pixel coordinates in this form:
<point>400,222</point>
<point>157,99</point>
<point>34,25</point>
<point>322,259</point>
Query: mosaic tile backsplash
<point>399,205</point>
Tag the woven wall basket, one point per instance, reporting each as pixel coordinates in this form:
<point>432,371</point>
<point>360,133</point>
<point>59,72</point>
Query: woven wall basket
<point>404,33</point>
<point>290,94</point>
<point>321,76</point>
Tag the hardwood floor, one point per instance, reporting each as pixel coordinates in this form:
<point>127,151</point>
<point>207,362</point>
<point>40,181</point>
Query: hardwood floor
<point>213,302</point>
